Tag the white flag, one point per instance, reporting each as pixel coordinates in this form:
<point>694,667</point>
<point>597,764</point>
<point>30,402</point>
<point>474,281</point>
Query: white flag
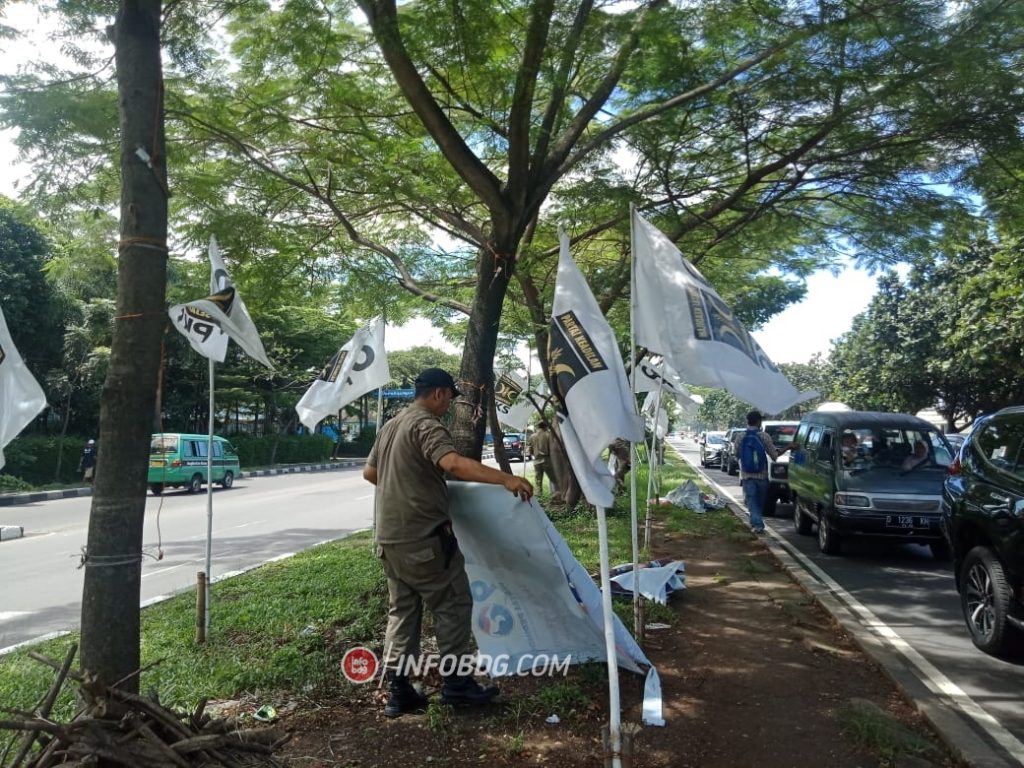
<point>681,317</point>
<point>21,397</point>
<point>207,323</point>
<point>586,373</point>
<point>651,376</point>
<point>510,400</point>
<point>357,368</point>
<point>650,403</point>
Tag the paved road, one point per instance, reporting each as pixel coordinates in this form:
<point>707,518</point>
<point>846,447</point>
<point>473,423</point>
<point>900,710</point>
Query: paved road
<point>256,521</point>
<point>901,593</point>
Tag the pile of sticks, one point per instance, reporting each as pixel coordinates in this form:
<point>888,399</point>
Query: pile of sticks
<point>117,728</point>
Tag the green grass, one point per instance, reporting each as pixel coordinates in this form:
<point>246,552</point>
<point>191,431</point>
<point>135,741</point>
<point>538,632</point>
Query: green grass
<point>285,626</point>
<point>882,734</point>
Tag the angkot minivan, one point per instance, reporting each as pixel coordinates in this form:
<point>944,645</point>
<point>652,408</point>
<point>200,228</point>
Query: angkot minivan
<point>868,474</point>
<point>179,460</point>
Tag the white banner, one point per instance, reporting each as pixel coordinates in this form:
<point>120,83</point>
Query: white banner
<point>510,400</point>
<point>650,403</point>
<point>681,317</point>
<point>531,598</point>
<point>586,373</point>
<point>207,323</point>
<point>21,397</point>
<point>359,367</point>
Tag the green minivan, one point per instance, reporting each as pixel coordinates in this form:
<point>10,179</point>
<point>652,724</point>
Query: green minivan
<point>179,460</point>
<point>868,474</point>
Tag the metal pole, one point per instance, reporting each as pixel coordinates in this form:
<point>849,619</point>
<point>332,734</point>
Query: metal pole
<point>614,713</point>
<point>653,464</point>
<point>638,621</point>
<point>209,506</point>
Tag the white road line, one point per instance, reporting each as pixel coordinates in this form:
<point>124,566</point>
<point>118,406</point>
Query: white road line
<point>8,615</point>
<point>929,675</point>
<point>159,571</point>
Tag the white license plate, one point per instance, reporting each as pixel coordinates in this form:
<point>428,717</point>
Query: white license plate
<point>899,521</point>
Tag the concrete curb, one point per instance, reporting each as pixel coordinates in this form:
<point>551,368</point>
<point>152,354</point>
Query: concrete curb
<point>952,728</point>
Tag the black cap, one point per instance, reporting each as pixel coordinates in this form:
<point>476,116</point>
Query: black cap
<point>432,378</point>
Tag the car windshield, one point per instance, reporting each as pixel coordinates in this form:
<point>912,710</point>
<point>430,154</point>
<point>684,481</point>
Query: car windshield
<point>508,439</point>
<point>893,449</point>
<point>164,445</point>
<point>781,434</point>
<point>716,439</point>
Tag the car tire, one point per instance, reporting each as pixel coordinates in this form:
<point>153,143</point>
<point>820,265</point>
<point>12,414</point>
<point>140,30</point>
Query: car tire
<point>156,488</point>
<point>734,468</point>
<point>229,480</point>
<point>802,524</point>
<point>828,540</point>
<point>195,485</point>
<point>941,550</point>
<point>985,596</point>
<point>770,503</point>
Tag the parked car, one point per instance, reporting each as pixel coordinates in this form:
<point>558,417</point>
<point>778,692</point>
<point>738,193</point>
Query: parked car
<point>782,434</point>
<point>711,449</point>
<point>730,462</point>
<point>956,441</point>
<point>868,474</point>
<point>180,460</point>
<point>983,521</point>
<point>516,446</point>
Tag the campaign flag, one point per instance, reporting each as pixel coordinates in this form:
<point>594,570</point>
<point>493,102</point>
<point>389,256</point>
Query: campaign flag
<point>208,323</point>
<point>651,376</point>
<point>21,397</point>
<point>360,366</point>
<point>681,317</point>
<point>511,401</point>
<point>661,424</point>
<point>594,404</point>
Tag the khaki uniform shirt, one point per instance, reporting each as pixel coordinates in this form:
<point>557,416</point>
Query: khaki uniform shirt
<point>412,496</point>
<point>541,445</point>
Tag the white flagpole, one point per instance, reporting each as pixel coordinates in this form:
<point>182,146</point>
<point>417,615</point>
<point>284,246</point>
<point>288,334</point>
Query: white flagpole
<point>638,629</point>
<point>653,463</point>
<point>209,506</point>
<point>614,713</point>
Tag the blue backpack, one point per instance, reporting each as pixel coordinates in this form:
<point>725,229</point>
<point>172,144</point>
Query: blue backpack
<point>753,457</point>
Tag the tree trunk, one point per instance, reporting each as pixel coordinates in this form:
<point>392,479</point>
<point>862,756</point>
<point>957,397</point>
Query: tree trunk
<point>476,376</point>
<point>497,434</point>
<point>113,572</point>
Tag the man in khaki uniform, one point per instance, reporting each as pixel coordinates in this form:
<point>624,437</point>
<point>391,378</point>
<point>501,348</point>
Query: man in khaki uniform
<point>415,541</point>
<point>540,446</point>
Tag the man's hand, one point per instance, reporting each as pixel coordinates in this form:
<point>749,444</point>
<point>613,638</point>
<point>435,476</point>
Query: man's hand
<point>519,486</point>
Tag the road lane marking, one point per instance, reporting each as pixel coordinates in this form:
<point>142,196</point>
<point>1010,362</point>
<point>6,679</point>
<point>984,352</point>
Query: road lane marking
<point>933,679</point>
<point>158,571</point>
<point>8,615</point>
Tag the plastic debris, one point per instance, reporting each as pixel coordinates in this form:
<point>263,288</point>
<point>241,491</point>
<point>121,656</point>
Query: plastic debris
<point>552,720</point>
<point>265,714</point>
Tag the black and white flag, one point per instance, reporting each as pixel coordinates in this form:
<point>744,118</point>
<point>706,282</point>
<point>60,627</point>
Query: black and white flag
<point>21,397</point>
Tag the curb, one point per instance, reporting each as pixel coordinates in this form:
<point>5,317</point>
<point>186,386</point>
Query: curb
<point>8,532</point>
<point>949,725</point>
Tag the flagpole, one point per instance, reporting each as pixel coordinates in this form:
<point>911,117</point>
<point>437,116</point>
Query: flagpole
<point>653,462</point>
<point>614,713</point>
<point>209,506</point>
<point>638,625</point>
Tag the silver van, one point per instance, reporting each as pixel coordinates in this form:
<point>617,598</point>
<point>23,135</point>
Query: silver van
<point>859,473</point>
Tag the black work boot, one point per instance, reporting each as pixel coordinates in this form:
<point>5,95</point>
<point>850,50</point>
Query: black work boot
<point>404,697</point>
<point>464,691</point>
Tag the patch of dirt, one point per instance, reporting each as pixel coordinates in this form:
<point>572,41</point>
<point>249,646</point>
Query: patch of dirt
<point>753,673</point>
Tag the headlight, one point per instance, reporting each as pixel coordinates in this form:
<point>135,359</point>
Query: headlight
<point>780,471</point>
<point>852,500</point>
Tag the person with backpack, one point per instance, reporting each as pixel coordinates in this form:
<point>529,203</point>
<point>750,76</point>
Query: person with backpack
<point>754,448</point>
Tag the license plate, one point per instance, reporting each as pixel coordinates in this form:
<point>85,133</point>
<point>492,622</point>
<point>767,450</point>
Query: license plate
<point>156,464</point>
<point>899,521</point>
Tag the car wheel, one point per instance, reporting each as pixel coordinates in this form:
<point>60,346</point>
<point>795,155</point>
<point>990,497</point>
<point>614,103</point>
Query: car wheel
<point>229,479</point>
<point>195,484</point>
<point>156,488</point>
<point>828,539</point>
<point>801,522</point>
<point>734,468</point>
<point>940,550</point>
<point>985,598</point>
<point>770,502</point>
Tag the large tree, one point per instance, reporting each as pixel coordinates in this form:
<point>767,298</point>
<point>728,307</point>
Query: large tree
<point>113,559</point>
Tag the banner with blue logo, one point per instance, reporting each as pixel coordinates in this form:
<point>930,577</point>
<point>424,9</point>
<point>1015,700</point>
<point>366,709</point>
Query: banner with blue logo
<point>531,598</point>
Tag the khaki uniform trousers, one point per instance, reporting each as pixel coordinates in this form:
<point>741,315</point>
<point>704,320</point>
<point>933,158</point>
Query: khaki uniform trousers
<point>417,576</point>
<point>542,467</point>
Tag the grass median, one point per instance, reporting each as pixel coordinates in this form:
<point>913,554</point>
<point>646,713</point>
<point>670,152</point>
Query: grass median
<point>285,626</point>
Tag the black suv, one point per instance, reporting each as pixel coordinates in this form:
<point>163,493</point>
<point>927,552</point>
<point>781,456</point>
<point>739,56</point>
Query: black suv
<point>983,519</point>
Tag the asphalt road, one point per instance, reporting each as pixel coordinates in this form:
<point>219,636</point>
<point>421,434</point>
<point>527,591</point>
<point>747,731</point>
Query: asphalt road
<point>258,520</point>
<point>908,599</point>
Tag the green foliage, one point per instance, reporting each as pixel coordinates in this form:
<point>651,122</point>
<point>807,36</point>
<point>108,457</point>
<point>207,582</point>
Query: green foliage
<point>33,459</point>
<point>406,364</point>
<point>11,484</point>
<point>283,449</point>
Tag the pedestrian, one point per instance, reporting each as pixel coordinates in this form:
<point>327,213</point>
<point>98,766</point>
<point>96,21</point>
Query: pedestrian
<point>87,464</point>
<point>753,447</point>
<point>621,450</point>
<point>416,544</point>
<point>540,445</point>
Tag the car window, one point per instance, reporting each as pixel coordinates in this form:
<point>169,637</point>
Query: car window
<point>825,446</point>
<point>164,445</point>
<point>781,434</point>
<point>999,443</point>
<point>813,438</point>
<point>216,449</point>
